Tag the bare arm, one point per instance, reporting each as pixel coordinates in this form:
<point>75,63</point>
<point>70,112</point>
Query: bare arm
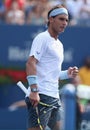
<point>31,66</point>
<point>31,70</point>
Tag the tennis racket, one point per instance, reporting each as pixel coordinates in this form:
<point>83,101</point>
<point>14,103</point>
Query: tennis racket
<point>25,90</point>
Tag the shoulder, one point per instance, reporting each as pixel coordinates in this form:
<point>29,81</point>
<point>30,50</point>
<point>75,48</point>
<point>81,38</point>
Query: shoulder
<point>42,36</point>
<point>40,40</point>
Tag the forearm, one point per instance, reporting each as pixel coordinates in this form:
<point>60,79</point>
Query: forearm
<point>72,72</point>
<point>31,72</point>
<point>31,66</point>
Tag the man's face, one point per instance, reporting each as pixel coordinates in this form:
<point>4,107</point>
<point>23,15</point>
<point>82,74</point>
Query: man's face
<point>59,23</point>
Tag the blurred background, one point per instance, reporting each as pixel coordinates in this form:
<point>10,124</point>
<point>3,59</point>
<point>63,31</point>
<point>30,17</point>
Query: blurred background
<point>20,22</point>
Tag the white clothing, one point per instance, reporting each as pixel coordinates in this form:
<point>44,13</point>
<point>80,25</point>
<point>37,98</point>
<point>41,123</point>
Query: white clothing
<point>49,53</point>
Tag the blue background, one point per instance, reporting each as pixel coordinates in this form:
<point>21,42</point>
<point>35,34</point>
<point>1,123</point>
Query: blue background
<point>76,43</point>
<point>15,43</point>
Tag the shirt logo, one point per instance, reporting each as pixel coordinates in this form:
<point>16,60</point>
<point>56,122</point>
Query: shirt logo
<point>38,52</point>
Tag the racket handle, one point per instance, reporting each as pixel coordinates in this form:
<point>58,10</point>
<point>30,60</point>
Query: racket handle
<point>22,87</point>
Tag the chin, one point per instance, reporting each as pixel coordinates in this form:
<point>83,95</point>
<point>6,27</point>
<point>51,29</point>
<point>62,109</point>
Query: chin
<point>61,31</point>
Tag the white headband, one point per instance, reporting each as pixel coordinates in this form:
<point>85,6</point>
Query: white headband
<point>58,11</point>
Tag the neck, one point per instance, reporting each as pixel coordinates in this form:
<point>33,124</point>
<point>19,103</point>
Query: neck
<point>53,33</point>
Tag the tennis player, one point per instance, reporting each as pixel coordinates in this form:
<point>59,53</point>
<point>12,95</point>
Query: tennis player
<point>43,70</point>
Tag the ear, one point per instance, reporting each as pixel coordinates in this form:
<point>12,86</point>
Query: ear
<point>51,19</point>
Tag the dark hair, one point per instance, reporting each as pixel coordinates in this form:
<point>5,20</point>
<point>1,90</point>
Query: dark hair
<point>55,7</point>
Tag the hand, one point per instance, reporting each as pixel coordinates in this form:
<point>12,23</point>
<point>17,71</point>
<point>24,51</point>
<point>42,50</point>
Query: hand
<point>72,72</point>
<point>34,98</point>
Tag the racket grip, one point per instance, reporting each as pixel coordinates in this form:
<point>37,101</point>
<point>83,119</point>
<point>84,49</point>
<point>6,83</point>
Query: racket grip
<point>22,87</point>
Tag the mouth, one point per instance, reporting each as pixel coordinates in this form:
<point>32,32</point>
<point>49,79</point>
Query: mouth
<point>62,27</point>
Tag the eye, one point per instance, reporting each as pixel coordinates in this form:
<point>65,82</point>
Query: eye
<point>64,19</point>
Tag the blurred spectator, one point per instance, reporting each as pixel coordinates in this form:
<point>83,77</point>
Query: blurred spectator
<point>84,72</point>
<point>28,6</point>
<point>37,16</point>
<point>8,3</point>
<point>84,14</point>
<point>73,7</point>
<point>79,11</point>
<point>55,2</point>
<point>35,11</point>
<point>2,11</point>
<point>14,15</point>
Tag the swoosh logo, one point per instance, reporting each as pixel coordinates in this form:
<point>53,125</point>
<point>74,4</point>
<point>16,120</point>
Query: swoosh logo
<point>38,52</point>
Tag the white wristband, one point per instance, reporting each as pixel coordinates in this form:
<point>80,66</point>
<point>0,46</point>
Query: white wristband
<point>32,79</point>
<point>64,75</point>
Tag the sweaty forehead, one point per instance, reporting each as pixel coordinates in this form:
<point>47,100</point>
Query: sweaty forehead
<point>64,16</point>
